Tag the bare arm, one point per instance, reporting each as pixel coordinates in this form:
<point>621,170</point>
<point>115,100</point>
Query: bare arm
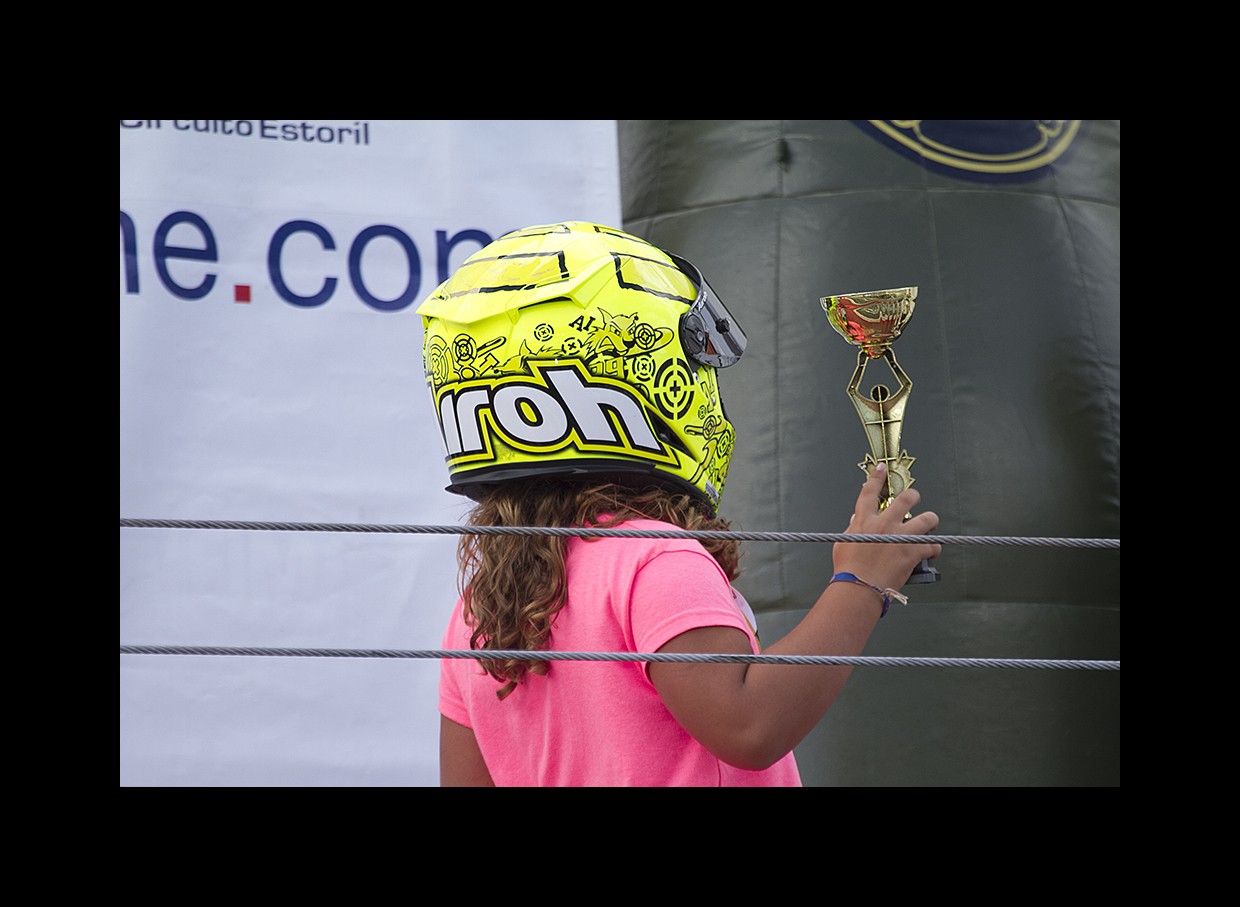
<point>750,715</point>
<point>460,760</point>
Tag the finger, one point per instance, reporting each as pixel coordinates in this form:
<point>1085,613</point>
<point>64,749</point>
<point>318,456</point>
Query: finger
<point>872,489</point>
<point>924,522</point>
<point>906,501</point>
<point>917,525</point>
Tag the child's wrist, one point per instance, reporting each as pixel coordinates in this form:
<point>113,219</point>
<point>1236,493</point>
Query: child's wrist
<point>887,595</point>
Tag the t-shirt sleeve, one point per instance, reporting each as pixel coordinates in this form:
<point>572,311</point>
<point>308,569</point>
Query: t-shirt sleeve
<point>451,696</point>
<point>682,590</point>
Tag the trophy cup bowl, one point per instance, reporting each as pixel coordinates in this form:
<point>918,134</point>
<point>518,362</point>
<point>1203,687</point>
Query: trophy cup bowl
<point>873,320</point>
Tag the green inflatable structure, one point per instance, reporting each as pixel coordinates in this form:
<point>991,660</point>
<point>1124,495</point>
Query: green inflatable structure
<point>1009,229</point>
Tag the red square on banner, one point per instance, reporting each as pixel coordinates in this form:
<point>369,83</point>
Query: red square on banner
<point>241,293</point>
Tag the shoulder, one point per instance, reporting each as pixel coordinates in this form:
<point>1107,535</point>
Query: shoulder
<point>649,538</point>
<point>657,548</point>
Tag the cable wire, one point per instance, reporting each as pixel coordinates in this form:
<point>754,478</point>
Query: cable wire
<point>503,654</point>
<point>582,532</point>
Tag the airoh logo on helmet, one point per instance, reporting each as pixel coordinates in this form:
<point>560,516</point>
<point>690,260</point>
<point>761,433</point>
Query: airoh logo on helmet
<point>553,408</point>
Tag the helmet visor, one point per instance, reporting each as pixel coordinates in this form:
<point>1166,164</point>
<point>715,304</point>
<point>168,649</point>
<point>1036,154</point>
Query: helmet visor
<point>708,332</point>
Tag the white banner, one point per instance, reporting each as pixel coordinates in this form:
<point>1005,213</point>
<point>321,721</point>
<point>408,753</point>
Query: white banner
<point>270,366</point>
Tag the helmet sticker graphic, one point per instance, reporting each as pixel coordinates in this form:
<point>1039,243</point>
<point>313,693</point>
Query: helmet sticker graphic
<point>720,440</point>
<point>673,388</point>
<point>553,407</point>
<point>469,359</point>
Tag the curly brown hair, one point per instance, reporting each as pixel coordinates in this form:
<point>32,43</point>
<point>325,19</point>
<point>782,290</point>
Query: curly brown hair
<point>512,586</point>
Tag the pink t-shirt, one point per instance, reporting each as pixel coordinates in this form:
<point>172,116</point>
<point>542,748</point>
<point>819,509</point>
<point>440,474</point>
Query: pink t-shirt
<point>602,724</point>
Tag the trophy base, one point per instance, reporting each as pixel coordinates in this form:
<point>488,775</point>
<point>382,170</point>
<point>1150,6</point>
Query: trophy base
<point>924,572</point>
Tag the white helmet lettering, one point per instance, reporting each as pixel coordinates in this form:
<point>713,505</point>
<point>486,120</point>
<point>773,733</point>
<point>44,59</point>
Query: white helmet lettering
<point>550,425</point>
<point>590,405</point>
<point>547,415</point>
<point>462,435</point>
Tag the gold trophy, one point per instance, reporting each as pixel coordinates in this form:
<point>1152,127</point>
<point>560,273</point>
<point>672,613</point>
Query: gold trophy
<point>872,322</point>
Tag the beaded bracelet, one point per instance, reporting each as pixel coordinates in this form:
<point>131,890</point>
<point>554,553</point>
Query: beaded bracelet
<point>887,594</point>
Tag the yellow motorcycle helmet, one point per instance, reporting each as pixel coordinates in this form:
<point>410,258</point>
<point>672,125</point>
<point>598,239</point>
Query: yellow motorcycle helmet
<point>576,349</point>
